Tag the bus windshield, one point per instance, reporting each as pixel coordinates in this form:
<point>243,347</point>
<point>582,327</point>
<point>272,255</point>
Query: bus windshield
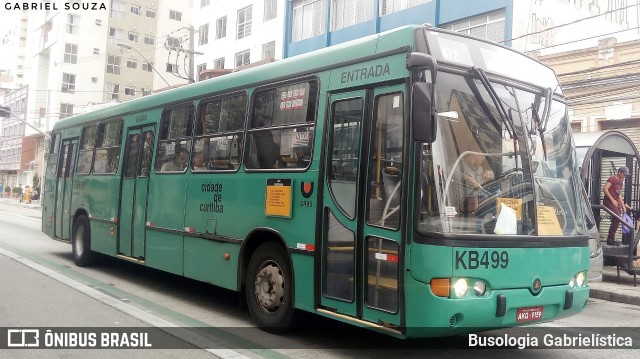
<point>503,162</point>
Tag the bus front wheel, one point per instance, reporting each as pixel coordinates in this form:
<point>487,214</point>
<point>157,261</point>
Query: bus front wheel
<point>81,242</point>
<point>269,288</point>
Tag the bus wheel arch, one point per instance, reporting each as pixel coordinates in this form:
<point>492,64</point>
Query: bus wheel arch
<point>81,240</point>
<point>268,281</point>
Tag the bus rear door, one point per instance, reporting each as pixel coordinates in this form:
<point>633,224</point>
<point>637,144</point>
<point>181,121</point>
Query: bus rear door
<point>361,214</point>
<point>64,187</point>
<point>133,200</point>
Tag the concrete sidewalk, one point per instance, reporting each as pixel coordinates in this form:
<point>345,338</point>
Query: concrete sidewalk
<point>16,202</point>
<point>610,288</point>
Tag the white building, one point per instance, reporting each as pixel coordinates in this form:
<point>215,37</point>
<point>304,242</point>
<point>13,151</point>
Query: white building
<point>232,34</point>
<point>81,58</point>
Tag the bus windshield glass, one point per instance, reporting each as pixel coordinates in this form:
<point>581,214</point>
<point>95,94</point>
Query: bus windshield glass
<point>503,162</point>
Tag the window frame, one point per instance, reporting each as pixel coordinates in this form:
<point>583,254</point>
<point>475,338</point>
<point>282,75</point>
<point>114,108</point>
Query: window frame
<point>175,15</point>
<point>221,27</point>
<point>310,123</point>
<point>99,145</point>
<point>241,53</point>
<point>163,136</point>
<point>246,24</point>
<point>90,148</point>
<point>270,10</point>
<point>72,26</point>
<point>203,34</point>
<point>70,85</point>
<point>114,67</point>
<point>208,135</point>
<point>70,57</point>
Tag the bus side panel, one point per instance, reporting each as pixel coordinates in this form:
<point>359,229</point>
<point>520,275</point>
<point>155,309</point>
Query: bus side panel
<point>164,251</point>
<point>165,245</point>
<point>204,261</point>
<point>303,279</point>
<point>102,194</point>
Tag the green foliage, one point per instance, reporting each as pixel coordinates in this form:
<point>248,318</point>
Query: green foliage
<point>7,189</point>
<point>36,181</point>
<point>17,190</point>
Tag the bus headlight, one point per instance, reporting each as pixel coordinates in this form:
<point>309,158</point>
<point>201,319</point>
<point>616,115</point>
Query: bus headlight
<point>461,287</point>
<point>572,282</point>
<point>479,288</point>
<point>580,279</point>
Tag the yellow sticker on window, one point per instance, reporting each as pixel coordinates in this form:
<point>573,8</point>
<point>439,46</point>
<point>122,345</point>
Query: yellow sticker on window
<point>548,224</point>
<point>513,203</point>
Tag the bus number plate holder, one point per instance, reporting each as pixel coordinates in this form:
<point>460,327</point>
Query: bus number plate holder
<point>528,314</point>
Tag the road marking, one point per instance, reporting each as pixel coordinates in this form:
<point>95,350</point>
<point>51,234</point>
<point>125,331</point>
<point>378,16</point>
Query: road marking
<point>139,314</point>
<point>21,216</point>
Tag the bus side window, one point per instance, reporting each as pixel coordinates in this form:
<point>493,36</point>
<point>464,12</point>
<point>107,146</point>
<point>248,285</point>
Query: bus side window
<point>174,143</point>
<point>219,134</point>
<point>271,145</point>
<point>85,157</point>
<point>107,152</point>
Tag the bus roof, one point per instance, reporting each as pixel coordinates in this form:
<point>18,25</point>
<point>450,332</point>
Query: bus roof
<point>302,64</point>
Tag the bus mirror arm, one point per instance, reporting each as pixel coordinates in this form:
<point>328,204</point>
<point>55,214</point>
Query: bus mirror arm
<point>422,62</point>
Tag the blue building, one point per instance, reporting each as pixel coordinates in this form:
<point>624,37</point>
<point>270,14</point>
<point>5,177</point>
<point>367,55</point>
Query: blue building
<point>315,24</point>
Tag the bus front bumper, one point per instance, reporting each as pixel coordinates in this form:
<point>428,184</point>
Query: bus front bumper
<point>429,315</point>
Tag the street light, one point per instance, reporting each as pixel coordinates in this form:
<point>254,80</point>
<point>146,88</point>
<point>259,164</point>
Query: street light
<point>125,46</point>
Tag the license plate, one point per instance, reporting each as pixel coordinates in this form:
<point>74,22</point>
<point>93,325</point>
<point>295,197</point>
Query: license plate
<point>529,313</point>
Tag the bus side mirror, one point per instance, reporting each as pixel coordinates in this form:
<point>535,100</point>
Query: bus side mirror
<point>423,114</point>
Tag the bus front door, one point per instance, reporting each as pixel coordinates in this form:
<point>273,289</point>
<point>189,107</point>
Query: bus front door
<point>133,200</point>
<point>361,196</point>
<point>64,187</point>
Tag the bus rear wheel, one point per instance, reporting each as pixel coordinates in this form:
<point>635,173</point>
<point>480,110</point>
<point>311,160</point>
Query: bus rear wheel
<point>81,242</point>
<point>269,288</point>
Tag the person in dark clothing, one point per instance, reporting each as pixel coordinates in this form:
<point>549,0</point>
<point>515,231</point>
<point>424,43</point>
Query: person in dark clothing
<point>614,201</point>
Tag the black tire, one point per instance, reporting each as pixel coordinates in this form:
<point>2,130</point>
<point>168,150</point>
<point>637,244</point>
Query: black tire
<point>81,242</point>
<point>269,288</point>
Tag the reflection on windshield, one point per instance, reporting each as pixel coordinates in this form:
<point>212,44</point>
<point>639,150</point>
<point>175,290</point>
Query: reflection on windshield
<point>493,171</point>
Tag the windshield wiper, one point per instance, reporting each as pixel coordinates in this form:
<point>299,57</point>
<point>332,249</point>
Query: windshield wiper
<point>541,121</point>
<point>506,118</point>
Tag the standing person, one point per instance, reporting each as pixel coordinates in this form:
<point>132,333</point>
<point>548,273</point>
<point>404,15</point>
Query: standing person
<point>27,194</point>
<point>614,201</point>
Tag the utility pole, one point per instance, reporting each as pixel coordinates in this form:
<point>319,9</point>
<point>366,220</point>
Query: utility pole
<point>191,42</point>
<point>188,52</point>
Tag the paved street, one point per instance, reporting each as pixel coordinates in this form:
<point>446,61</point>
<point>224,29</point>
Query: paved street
<point>119,294</point>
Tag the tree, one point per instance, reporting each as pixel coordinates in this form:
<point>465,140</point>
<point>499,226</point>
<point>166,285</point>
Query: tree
<point>36,181</point>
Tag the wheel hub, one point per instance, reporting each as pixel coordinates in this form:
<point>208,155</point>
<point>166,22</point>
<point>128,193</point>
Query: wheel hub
<point>269,287</point>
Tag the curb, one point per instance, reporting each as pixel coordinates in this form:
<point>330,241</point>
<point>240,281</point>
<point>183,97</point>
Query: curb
<point>613,296</point>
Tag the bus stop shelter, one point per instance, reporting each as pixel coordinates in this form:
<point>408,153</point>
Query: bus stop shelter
<point>600,154</point>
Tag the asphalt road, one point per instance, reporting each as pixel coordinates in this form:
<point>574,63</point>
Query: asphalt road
<point>42,287</point>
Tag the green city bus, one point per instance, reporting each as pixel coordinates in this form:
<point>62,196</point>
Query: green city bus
<point>333,182</point>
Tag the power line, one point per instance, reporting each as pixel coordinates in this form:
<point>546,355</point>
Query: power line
<point>570,23</point>
<point>591,69</point>
<point>589,38</point>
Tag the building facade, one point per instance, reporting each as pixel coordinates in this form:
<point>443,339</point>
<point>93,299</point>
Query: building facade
<point>235,34</point>
<point>74,58</point>
<point>16,151</point>
<point>602,86</point>
<point>548,26</point>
